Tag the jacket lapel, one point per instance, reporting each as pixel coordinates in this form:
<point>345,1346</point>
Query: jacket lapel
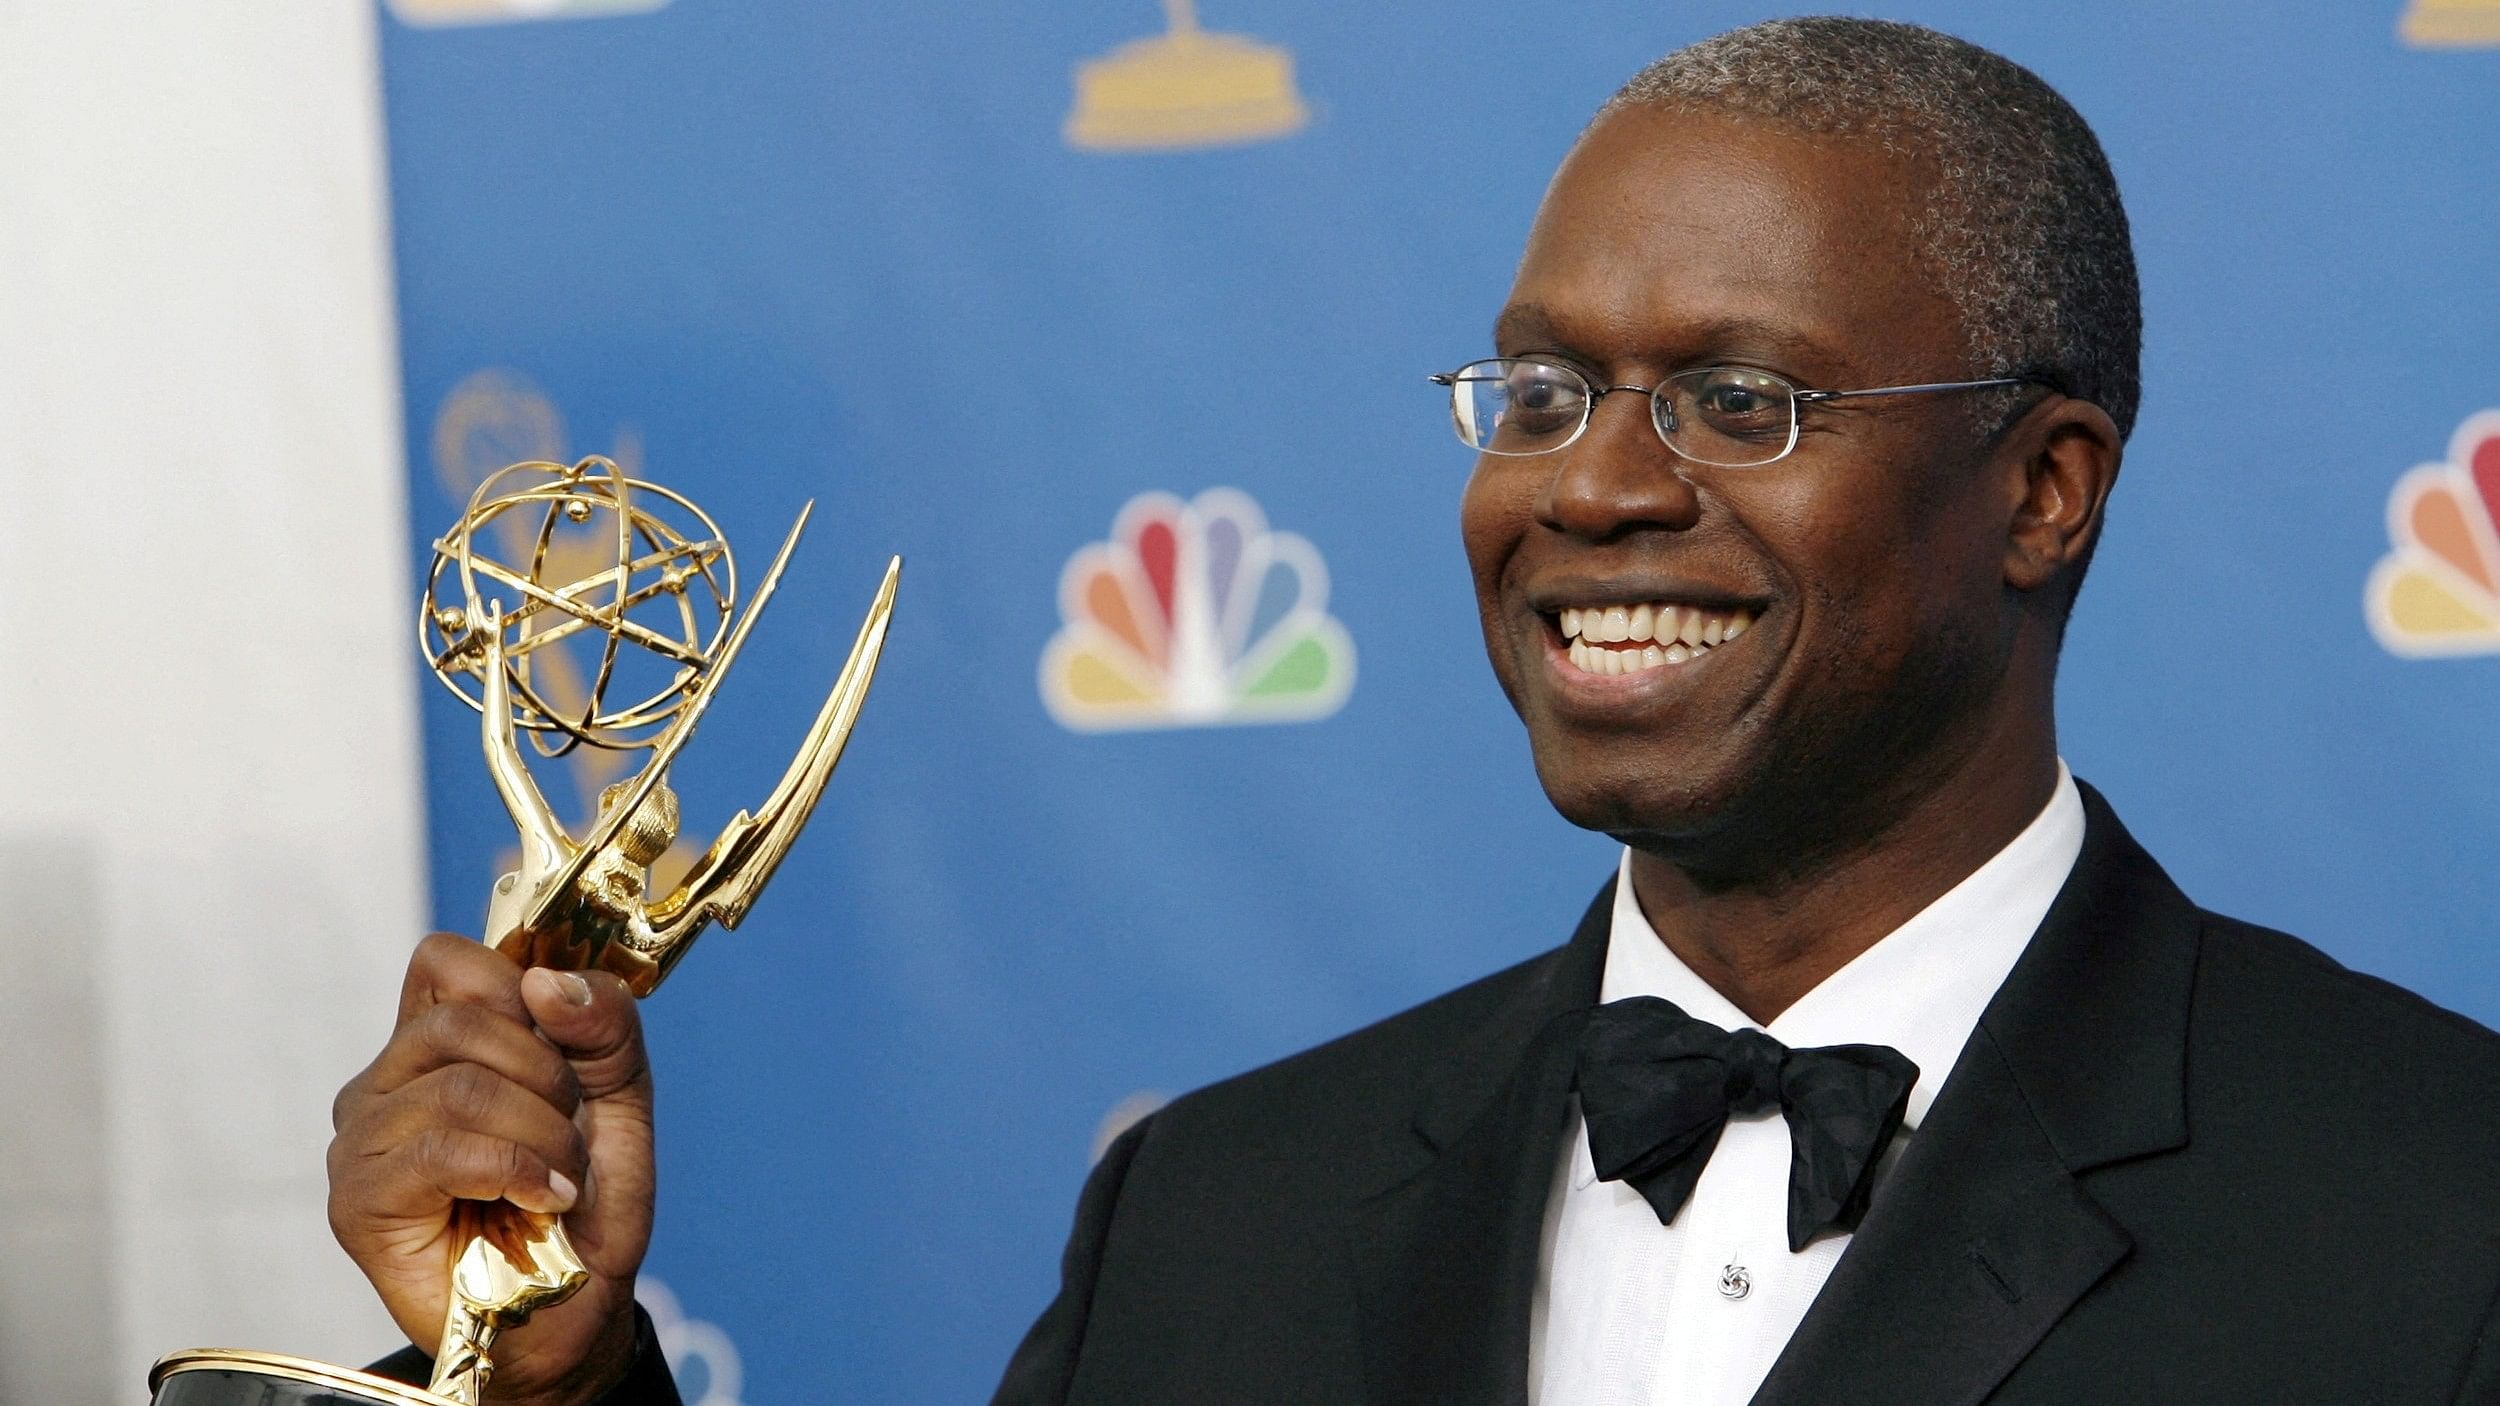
<point>1986,1234</point>
<point>1445,1257</point>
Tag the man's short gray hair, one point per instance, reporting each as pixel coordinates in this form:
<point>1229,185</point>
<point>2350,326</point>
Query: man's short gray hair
<point>2023,229</point>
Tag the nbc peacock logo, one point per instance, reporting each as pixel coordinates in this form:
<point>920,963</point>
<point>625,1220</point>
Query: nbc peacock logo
<point>1195,615</point>
<point>2438,592</point>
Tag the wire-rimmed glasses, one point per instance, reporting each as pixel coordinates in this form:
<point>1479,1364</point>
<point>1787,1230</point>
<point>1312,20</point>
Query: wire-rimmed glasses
<point>1729,416</point>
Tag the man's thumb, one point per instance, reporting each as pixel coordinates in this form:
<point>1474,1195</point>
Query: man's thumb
<point>593,1022</point>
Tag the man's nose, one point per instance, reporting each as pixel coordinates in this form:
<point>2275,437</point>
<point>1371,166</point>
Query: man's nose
<point>1619,476</point>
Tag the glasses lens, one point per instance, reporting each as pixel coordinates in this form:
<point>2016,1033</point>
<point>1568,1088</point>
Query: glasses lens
<point>1728,415</point>
<point>1517,406</point>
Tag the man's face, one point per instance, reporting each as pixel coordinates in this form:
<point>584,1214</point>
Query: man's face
<point>1866,567</point>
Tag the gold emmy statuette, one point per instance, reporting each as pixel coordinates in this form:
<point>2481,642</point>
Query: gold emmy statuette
<point>2451,23</point>
<point>1186,87</point>
<point>660,618</point>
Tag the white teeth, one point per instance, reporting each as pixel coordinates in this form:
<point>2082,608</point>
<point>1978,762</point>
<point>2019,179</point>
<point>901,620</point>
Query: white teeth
<point>1681,633</point>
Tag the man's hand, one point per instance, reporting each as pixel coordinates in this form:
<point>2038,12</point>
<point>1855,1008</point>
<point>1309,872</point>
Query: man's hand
<point>529,1087</point>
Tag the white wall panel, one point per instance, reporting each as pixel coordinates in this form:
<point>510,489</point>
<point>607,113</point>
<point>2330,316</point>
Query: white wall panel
<point>206,703</point>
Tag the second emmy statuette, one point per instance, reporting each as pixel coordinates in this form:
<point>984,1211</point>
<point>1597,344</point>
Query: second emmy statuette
<point>599,584</point>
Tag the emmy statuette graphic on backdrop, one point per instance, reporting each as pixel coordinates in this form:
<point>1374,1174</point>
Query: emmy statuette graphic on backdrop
<point>2451,23</point>
<point>1185,88</point>
<point>576,904</point>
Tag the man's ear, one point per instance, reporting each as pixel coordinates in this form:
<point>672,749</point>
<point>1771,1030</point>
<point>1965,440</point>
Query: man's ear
<point>2067,454</point>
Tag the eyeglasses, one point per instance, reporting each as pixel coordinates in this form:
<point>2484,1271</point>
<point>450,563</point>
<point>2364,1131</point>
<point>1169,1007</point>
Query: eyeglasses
<point>1729,416</point>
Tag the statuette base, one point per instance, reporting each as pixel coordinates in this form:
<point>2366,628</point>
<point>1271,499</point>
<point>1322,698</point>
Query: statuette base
<point>212,1376</point>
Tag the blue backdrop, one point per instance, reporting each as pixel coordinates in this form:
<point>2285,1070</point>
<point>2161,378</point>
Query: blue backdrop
<point>900,260</point>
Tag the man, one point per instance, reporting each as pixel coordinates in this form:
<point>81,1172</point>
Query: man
<point>1889,1069</point>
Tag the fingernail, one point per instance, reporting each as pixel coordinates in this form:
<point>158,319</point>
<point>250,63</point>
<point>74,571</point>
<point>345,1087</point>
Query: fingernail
<point>566,1193</point>
<point>576,991</point>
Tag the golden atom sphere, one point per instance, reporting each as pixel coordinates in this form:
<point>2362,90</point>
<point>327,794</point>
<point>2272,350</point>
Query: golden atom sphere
<point>597,581</point>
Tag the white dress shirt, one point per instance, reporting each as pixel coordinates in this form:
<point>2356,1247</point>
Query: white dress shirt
<point>1629,1312</point>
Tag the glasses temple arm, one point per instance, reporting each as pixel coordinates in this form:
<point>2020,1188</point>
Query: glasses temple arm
<point>1811,397</point>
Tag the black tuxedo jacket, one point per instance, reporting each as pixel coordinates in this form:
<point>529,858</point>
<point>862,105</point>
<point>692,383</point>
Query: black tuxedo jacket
<point>2182,1159</point>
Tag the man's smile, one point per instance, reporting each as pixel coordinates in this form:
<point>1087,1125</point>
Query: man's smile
<point>1615,639</point>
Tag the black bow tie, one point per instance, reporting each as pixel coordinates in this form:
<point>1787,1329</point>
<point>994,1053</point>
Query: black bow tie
<point>1656,1087</point>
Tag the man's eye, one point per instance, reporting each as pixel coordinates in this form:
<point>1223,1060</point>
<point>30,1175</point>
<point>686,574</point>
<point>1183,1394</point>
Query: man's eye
<point>1542,402</point>
<point>1543,392</point>
<point>1734,400</point>
<point>1743,403</point>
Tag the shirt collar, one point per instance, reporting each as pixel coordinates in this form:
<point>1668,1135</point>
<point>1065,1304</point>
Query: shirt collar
<point>1919,989</point>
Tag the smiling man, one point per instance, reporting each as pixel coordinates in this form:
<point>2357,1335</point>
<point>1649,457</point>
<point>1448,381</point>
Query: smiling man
<point>1888,1069</point>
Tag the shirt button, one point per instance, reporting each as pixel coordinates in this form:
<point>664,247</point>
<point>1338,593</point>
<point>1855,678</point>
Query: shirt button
<point>1734,1282</point>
